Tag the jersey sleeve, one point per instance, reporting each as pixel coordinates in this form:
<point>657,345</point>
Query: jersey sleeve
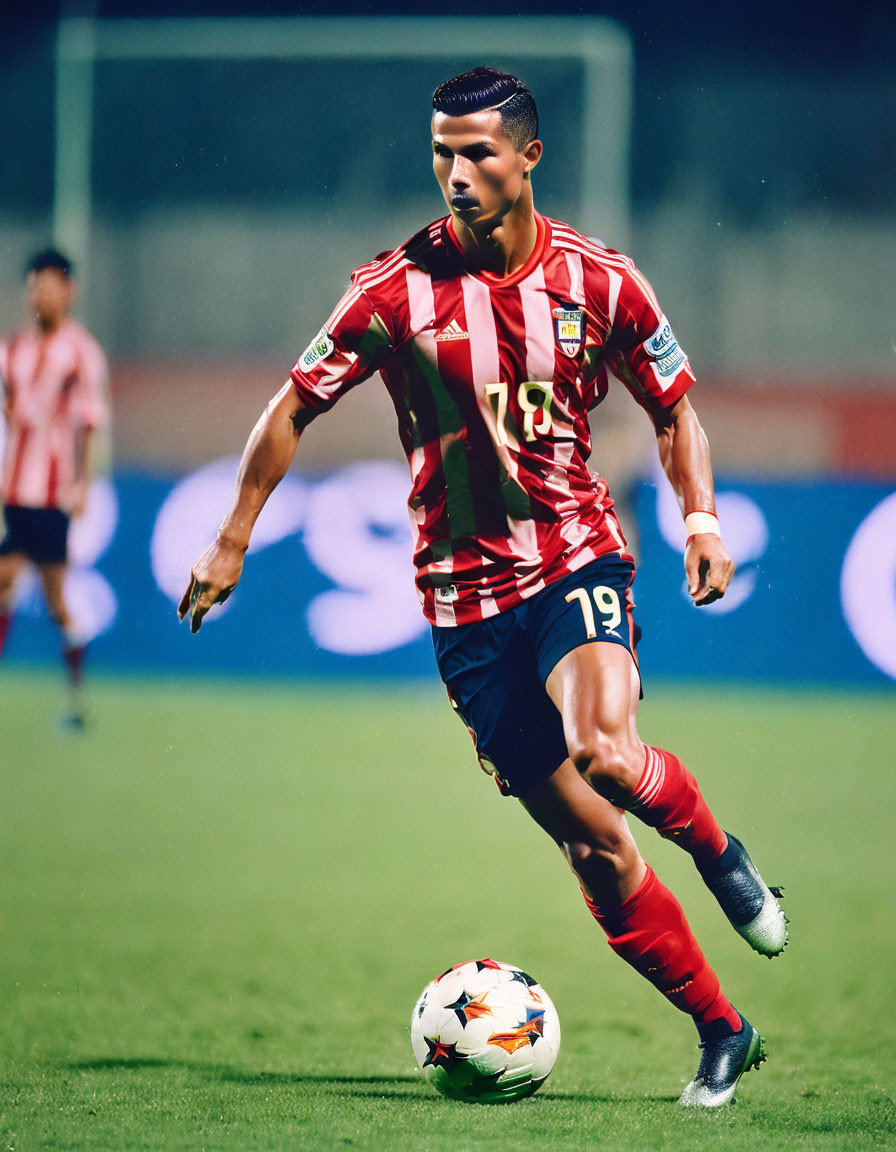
<point>93,385</point>
<point>348,349</point>
<point>641,348</point>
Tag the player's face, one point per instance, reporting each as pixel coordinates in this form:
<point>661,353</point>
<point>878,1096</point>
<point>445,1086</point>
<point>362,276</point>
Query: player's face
<point>49,294</point>
<point>480,172</point>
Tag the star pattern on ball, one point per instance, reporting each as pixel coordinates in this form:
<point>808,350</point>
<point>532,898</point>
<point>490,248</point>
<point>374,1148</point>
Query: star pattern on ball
<point>526,1032</point>
<point>516,1038</point>
<point>481,965</point>
<point>467,1007</point>
<point>523,978</point>
<point>534,1022</point>
<point>441,1055</point>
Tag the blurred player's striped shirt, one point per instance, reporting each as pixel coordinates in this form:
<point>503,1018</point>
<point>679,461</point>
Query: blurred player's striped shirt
<point>55,386</point>
<point>492,380</point>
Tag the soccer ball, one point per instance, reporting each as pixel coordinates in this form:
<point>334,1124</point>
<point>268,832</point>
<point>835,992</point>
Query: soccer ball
<point>485,1032</point>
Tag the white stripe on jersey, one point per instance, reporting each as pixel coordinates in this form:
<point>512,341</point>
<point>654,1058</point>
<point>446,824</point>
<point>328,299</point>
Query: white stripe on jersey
<point>617,536</point>
<point>576,277</point>
<point>615,283</point>
<point>368,276</point>
<point>488,605</point>
<point>484,358</point>
<point>422,304</point>
<point>348,301</point>
<point>382,271</point>
<point>570,239</point>
<point>539,322</point>
<point>541,353</point>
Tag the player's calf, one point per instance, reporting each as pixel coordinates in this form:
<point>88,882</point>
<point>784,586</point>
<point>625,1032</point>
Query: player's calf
<point>667,797</point>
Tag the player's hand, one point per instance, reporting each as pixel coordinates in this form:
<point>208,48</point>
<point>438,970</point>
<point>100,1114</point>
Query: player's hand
<point>708,567</point>
<point>214,576</point>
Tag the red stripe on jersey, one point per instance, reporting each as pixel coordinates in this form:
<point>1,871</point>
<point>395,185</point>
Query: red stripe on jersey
<point>53,482</point>
<point>22,436</point>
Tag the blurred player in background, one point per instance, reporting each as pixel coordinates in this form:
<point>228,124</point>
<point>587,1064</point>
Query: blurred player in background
<point>494,330</point>
<point>54,377</point>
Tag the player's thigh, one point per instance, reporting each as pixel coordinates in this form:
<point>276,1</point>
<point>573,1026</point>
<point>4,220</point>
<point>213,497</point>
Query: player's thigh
<point>592,832</point>
<point>494,685</point>
<point>586,636</point>
<point>11,565</point>
<point>596,688</point>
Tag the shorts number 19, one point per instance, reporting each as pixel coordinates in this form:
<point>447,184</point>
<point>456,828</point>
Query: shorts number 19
<point>606,600</point>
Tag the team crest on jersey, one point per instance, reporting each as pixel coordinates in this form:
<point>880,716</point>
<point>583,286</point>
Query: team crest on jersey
<point>663,350</point>
<point>319,349</point>
<point>569,329</point>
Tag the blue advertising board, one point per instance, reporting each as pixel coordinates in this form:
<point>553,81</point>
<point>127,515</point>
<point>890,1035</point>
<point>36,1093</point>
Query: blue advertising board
<point>328,583</point>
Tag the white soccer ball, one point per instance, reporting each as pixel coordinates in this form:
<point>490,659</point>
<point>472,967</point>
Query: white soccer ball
<point>485,1032</point>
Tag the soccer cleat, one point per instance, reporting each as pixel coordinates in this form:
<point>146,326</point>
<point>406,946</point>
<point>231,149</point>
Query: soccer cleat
<point>722,1064</point>
<point>750,905</point>
<point>74,721</point>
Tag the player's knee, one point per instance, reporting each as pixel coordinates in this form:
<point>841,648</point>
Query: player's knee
<point>609,764</point>
<point>7,583</point>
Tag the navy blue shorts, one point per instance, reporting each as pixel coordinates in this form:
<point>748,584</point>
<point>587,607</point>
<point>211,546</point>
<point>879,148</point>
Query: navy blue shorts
<point>41,534</point>
<point>495,670</point>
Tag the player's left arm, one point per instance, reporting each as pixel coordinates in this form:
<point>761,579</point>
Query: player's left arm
<point>92,418</point>
<point>684,453</point>
<point>85,467</point>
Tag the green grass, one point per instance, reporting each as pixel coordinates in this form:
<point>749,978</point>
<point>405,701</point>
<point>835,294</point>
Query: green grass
<point>218,906</point>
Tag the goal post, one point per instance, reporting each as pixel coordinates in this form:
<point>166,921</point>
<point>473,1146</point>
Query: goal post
<point>597,48</point>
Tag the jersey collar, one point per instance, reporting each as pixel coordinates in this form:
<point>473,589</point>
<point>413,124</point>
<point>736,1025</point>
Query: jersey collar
<point>515,277</point>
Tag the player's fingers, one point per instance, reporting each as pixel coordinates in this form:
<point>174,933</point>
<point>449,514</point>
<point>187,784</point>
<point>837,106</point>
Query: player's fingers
<point>692,575</point>
<point>200,602</point>
<point>720,572</point>
<point>184,605</point>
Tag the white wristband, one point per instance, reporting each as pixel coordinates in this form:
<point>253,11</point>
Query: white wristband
<point>696,523</point>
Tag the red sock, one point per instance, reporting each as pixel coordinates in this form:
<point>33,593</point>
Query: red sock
<point>650,932</point>
<point>668,798</point>
<point>5,621</point>
<point>74,660</point>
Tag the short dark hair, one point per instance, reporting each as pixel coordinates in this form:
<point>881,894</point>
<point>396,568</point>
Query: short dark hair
<point>484,88</point>
<point>50,258</point>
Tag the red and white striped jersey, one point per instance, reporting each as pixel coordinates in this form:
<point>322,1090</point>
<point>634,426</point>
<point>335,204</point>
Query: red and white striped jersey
<point>55,387</point>
<point>492,380</point>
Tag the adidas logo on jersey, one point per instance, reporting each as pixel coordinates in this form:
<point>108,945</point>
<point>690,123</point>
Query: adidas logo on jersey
<point>452,331</point>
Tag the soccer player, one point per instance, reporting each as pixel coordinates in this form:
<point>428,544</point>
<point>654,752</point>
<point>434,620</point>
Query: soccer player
<point>54,380</point>
<point>494,330</point>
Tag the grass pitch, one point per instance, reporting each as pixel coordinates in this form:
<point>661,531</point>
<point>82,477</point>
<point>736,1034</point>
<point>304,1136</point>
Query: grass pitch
<point>220,903</point>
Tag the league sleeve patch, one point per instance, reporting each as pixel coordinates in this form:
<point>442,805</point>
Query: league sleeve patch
<point>319,349</point>
<point>663,349</point>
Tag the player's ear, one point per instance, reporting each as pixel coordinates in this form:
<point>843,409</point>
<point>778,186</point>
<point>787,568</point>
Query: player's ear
<point>531,155</point>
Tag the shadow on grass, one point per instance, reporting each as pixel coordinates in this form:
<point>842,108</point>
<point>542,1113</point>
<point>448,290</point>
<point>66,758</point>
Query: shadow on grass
<point>402,1087</point>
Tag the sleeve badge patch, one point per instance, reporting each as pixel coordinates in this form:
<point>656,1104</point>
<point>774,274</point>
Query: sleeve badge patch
<point>569,329</point>
<point>319,349</point>
<point>663,349</point>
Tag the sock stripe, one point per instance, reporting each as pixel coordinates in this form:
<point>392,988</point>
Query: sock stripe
<point>652,779</point>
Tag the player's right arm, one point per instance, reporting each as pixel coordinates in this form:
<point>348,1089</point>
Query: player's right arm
<point>266,457</point>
